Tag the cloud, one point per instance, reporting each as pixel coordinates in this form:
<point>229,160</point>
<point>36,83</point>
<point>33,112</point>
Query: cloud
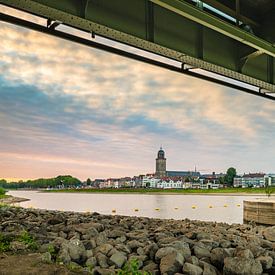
<point>84,105</point>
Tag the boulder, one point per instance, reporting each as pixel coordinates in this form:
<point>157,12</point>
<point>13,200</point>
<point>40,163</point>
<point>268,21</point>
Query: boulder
<point>162,252</point>
<point>102,260</point>
<point>16,246</point>
<point>46,258</point>
<point>244,253</point>
<point>191,269</point>
<point>171,263</point>
<point>208,269</point>
<point>118,259</point>
<point>241,266</point>
<point>193,260</point>
<point>201,251</point>
<point>104,248</point>
<point>91,262</point>
<point>218,255</point>
<point>266,262</point>
<point>182,247</point>
<point>76,250</point>
<point>269,233</point>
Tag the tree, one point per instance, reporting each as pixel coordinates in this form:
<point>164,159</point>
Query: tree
<point>88,181</point>
<point>230,174</point>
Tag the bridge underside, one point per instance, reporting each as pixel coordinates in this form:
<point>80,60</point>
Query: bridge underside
<point>234,39</point>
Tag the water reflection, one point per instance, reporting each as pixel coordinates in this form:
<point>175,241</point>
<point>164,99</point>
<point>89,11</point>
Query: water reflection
<point>205,207</point>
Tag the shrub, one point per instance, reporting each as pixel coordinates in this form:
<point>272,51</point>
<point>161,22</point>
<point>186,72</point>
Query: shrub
<point>132,268</point>
<point>2,191</point>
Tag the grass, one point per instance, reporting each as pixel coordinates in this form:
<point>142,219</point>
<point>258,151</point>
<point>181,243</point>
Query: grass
<point>163,191</point>
<point>132,268</point>
<point>24,238</point>
<point>4,196</point>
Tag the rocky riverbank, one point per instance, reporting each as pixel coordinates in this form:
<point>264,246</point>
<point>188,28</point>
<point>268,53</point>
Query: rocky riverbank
<point>12,200</point>
<point>91,243</point>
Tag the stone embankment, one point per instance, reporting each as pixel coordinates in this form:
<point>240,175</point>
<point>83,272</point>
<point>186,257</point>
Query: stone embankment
<point>103,244</point>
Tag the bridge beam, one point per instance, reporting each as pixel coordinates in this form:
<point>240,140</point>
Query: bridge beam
<point>192,13</point>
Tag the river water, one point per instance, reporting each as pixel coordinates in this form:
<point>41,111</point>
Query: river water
<point>218,208</point>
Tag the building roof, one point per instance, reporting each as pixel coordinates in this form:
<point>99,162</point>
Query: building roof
<point>254,175</point>
<point>182,174</point>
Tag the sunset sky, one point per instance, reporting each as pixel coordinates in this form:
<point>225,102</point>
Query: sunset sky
<point>69,109</point>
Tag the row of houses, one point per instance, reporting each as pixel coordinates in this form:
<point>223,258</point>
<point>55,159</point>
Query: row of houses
<point>210,181</point>
<point>255,180</point>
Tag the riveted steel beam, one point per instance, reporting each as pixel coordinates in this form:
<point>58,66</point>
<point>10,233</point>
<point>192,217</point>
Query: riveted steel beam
<point>81,23</point>
<point>192,13</point>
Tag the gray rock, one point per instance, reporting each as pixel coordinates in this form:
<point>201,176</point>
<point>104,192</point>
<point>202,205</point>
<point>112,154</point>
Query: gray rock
<point>104,248</point>
<point>17,246</point>
<point>208,269</point>
<point>191,269</point>
<point>225,244</point>
<point>193,260</point>
<point>244,253</point>
<point>209,244</point>
<point>241,266</point>
<point>123,248</point>
<point>182,247</point>
<point>103,271</point>
<point>101,238</point>
<point>134,244</point>
<point>64,256</point>
<point>171,263</point>
<point>201,251</point>
<point>89,253</point>
<point>76,250</point>
<point>46,258</point>
<point>151,267</point>
<point>218,255</point>
<point>203,235</point>
<point>269,233</point>
<point>102,260</point>
<point>118,259</point>
<point>121,239</point>
<point>163,252</point>
<point>140,251</point>
<point>151,250</point>
<point>266,262</point>
<point>116,233</point>
<point>91,262</point>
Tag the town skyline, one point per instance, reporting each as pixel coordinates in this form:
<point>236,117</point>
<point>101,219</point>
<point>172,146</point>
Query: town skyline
<point>94,114</point>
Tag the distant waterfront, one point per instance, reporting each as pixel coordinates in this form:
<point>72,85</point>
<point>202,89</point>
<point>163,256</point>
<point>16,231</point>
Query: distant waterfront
<point>224,191</point>
<point>200,207</point>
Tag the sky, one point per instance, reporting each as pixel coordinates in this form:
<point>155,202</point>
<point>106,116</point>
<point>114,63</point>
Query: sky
<point>70,109</point>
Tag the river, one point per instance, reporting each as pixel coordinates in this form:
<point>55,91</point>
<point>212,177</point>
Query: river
<point>219,208</point>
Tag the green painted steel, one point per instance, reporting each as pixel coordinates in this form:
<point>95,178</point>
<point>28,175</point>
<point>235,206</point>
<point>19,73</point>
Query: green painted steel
<point>181,30</point>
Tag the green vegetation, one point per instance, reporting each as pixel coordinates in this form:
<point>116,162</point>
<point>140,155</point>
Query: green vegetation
<point>229,177</point>
<point>2,193</point>
<point>5,243</point>
<point>24,238</point>
<point>64,181</point>
<point>28,240</point>
<point>132,268</point>
<point>163,191</point>
<point>269,190</point>
<point>52,251</point>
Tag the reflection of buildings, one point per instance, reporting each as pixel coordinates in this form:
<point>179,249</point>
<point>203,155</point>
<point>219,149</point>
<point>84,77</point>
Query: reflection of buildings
<point>161,168</point>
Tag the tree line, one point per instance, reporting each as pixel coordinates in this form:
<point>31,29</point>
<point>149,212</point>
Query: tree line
<point>64,181</point>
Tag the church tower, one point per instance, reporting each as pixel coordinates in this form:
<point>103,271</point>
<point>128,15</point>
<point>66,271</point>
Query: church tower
<point>160,164</point>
